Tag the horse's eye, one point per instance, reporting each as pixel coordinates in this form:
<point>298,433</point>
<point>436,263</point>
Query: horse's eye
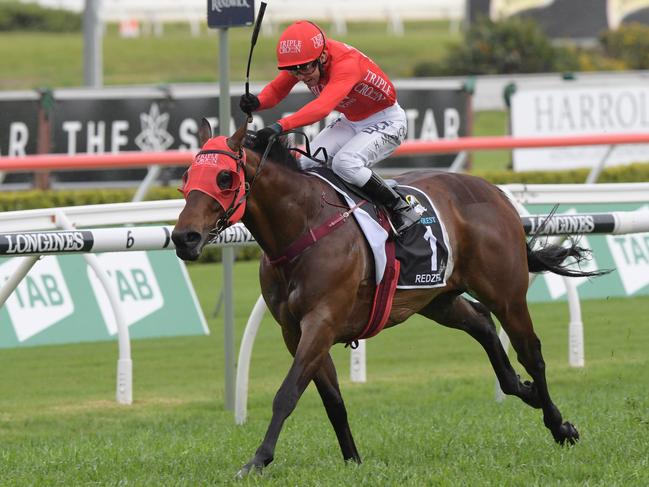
<point>224,180</point>
<point>184,181</point>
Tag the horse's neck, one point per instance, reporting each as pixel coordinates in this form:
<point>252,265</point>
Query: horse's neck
<point>279,207</point>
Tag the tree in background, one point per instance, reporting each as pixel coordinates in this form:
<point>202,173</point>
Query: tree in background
<point>629,43</point>
<point>513,45</point>
<point>16,16</point>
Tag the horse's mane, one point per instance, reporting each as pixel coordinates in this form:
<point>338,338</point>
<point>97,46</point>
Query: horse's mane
<point>279,151</point>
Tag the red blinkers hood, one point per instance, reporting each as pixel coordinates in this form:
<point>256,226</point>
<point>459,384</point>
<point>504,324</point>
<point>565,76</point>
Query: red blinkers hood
<point>207,171</point>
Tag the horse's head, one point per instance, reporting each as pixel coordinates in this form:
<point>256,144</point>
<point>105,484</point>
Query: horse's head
<point>214,189</point>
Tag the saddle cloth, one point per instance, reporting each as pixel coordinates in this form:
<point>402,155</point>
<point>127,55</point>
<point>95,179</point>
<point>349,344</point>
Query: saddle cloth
<point>423,251</point>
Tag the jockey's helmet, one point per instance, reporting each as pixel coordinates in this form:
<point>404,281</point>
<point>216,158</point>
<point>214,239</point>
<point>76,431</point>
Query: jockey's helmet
<point>301,43</point>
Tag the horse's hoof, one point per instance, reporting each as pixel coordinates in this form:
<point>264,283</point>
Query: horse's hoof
<point>247,469</point>
<point>567,434</point>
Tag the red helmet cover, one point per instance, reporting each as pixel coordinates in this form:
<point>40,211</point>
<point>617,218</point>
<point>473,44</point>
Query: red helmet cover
<point>301,42</point>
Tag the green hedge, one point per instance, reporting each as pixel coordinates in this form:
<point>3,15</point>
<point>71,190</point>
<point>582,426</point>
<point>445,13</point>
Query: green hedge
<point>32,199</point>
<point>32,17</point>
<point>25,200</point>
<point>632,173</point>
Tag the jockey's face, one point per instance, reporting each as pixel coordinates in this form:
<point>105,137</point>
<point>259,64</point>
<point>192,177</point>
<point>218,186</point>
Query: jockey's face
<point>310,74</point>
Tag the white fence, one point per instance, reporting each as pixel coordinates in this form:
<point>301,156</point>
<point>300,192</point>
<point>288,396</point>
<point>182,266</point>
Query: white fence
<point>71,220</point>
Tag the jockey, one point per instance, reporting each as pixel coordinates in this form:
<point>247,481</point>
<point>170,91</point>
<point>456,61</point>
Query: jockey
<point>371,124</point>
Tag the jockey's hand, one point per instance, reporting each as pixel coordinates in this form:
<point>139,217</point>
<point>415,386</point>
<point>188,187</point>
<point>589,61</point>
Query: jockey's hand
<point>267,132</point>
<point>249,103</point>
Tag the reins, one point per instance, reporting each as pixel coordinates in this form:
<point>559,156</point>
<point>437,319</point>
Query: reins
<point>223,222</point>
<point>307,146</point>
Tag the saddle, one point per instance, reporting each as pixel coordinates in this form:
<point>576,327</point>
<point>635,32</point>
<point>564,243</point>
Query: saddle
<point>423,250</point>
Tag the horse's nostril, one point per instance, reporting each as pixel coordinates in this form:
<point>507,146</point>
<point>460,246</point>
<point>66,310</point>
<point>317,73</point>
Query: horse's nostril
<point>187,239</point>
<point>192,239</point>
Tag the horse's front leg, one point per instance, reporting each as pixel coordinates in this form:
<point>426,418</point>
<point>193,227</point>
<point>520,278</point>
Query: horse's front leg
<point>315,341</point>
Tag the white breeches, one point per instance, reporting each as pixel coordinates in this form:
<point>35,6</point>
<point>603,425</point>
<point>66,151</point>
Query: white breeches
<point>354,147</point>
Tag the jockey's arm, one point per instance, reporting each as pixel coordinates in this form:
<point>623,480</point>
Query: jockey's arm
<point>343,78</point>
<point>276,90</point>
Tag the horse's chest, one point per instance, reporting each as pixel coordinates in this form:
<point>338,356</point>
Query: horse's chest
<point>276,292</point>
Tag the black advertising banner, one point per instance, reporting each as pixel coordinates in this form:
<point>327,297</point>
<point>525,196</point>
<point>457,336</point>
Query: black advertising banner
<point>151,120</point>
<point>18,125</point>
<point>575,19</point>
<point>111,125</point>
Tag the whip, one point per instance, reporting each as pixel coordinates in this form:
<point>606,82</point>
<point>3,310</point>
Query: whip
<point>253,41</point>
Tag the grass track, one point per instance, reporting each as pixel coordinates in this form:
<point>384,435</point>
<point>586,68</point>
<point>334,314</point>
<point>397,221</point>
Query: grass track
<point>425,417</point>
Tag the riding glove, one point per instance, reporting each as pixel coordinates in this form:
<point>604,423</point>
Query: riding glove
<point>248,103</point>
<point>267,132</point>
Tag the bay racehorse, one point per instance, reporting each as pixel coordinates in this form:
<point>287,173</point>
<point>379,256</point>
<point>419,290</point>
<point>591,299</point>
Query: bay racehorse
<point>323,295</point>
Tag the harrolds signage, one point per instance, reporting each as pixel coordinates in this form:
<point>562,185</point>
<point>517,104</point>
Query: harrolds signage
<point>579,110</point>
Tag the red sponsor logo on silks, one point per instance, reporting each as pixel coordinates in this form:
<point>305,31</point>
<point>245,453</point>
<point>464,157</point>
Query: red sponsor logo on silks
<point>290,46</point>
<point>318,40</point>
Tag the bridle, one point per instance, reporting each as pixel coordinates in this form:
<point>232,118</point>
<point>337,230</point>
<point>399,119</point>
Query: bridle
<point>224,221</point>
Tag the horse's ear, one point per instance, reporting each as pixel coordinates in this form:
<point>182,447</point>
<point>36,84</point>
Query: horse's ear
<point>204,132</point>
<point>236,140</point>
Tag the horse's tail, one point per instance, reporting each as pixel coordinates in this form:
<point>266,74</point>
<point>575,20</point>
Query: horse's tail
<point>550,258</point>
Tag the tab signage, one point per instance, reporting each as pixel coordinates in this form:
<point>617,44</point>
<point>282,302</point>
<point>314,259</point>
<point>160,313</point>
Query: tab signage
<point>61,300</point>
<point>40,301</point>
<point>136,285</point>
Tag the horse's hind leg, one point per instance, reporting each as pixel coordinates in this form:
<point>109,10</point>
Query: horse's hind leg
<point>475,319</point>
<point>516,321</point>
<point>326,382</point>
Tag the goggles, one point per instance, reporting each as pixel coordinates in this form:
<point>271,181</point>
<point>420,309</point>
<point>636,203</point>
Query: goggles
<point>303,69</point>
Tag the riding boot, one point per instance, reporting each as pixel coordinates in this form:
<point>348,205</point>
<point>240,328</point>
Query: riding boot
<point>403,216</point>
